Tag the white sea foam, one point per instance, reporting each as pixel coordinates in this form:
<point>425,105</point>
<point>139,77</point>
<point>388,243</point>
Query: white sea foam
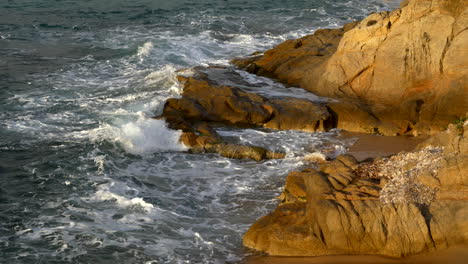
<point>202,203</point>
<point>201,240</point>
<point>145,50</point>
<point>148,135</point>
<point>142,136</point>
<point>243,39</point>
<point>100,162</point>
<point>315,156</point>
<point>105,193</point>
<point>166,78</point>
<point>164,75</point>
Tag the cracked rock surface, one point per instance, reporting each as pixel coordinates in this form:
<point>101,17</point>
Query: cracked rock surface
<point>405,70</point>
<point>349,208</point>
<point>394,73</point>
<point>212,97</point>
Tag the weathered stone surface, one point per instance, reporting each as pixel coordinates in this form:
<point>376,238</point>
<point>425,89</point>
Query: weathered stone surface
<point>345,210</point>
<point>294,189</point>
<point>454,170</point>
<point>204,99</point>
<point>408,67</point>
<point>205,140</point>
<point>352,115</point>
<point>208,100</point>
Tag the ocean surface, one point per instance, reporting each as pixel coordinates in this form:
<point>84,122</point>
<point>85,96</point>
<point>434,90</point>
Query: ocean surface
<point>86,176</point>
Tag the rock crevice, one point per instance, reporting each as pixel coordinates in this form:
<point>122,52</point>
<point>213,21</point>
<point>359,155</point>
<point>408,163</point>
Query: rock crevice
<point>345,210</point>
<point>208,102</point>
<point>386,61</point>
<point>394,73</point>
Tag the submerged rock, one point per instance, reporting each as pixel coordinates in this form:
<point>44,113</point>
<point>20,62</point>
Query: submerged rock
<point>215,144</point>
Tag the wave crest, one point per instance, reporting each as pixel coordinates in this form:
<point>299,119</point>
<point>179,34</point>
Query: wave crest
<point>143,136</point>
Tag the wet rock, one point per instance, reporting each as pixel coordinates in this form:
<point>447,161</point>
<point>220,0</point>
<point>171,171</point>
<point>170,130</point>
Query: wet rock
<point>211,97</point>
<point>215,144</point>
<point>206,99</point>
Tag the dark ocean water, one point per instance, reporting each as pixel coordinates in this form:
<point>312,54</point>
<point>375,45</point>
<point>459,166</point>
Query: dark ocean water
<point>86,176</point>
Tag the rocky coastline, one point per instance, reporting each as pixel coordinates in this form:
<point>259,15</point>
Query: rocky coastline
<point>394,73</point>
<point>398,73</point>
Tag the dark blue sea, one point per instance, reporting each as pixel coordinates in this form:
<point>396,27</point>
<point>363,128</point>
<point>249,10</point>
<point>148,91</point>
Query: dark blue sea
<point>86,176</point>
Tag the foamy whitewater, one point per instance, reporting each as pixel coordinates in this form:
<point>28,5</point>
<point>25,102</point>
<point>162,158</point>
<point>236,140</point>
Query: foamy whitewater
<point>87,176</point>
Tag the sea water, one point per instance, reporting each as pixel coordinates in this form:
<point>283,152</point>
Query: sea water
<point>86,176</point>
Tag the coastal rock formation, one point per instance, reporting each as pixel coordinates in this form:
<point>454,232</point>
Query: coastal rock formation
<point>202,142</point>
<point>407,204</point>
<point>207,102</point>
<point>406,71</point>
<point>403,72</point>
<point>393,73</point>
<point>205,99</point>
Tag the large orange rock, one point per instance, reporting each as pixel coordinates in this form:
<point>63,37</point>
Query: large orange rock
<point>407,204</point>
<point>408,66</point>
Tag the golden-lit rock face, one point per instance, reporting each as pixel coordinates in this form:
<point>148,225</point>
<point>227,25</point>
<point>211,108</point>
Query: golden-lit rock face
<point>408,204</point>
<point>207,102</point>
<point>393,73</point>
<point>407,68</point>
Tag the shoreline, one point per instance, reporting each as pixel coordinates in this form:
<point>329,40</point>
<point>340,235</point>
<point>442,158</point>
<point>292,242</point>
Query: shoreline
<point>390,195</point>
<point>456,255</point>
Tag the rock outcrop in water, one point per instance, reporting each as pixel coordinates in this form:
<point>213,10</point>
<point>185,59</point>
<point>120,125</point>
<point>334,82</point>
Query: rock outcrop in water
<point>204,99</point>
<point>206,102</point>
<point>407,204</point>
<point>403,72</point>
<point>395,73</point>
